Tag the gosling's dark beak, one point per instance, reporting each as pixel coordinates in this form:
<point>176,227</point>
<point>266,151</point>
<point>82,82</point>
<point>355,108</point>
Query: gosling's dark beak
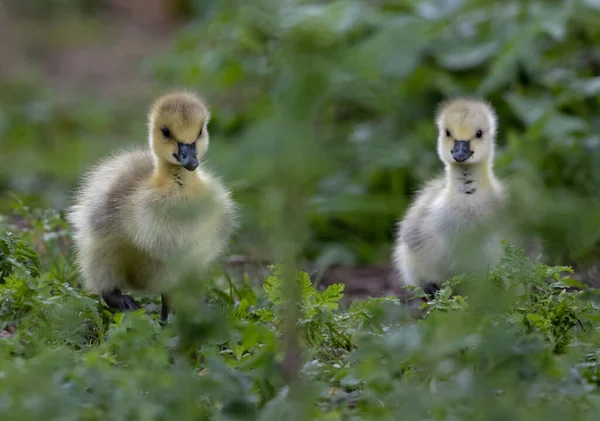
<point>462,150</point>
<point>186,154</point>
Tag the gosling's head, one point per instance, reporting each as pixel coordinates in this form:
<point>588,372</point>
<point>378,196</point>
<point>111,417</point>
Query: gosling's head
<point>466,132</point>
<point>178,129</point>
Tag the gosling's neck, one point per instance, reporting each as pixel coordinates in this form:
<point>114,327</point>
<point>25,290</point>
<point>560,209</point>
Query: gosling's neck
<point>169,175</point>
<point>470,179</point>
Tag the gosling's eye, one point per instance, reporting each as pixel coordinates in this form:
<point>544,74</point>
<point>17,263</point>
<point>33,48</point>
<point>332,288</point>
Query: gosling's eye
<point>479,134</point>
<point>166,132</point>
<point>448,133</point>
<point>200,133</point>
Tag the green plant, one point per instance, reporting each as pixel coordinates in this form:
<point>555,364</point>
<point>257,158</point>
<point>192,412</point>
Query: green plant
<point>15,254</point>
<point>520,343</point>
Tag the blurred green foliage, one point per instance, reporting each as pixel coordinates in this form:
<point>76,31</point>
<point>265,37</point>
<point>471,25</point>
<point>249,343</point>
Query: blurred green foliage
<point>522,344</point>
<point>378,70</point>
<point>322,125</point>
<point>340,96</point>
<point>47,140</point>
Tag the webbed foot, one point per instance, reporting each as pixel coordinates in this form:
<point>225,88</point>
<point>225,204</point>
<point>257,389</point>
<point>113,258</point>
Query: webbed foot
<point>115,299</point>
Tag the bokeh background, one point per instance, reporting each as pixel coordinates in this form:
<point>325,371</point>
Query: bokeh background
<point>322,111</point>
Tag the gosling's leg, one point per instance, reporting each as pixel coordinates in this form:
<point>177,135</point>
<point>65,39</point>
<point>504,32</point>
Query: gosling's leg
<point>115,299</point>
<point>164,311</point>
<point>430,289</point>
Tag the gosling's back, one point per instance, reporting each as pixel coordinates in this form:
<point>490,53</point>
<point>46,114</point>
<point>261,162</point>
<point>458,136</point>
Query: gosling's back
<point>102,200</point>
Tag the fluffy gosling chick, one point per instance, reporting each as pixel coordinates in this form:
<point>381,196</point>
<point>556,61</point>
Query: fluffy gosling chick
<point>139,211</point>
<point>455,224</point>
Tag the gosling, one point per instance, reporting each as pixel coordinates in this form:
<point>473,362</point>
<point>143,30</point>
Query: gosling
<point>138,212</point>
<point>456,223</point>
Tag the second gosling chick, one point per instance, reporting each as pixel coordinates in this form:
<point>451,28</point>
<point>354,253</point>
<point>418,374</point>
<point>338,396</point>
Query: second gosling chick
<point>456,224</point>
<point>139,211</point>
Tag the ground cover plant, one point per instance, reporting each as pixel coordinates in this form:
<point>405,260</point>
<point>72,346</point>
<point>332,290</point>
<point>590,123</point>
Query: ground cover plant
<point>522,345</point>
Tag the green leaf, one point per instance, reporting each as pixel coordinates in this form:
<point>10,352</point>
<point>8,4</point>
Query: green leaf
<point>503,69</point>
<point>331,296</point>
<point>465,55</point>
<point>535,318</point>
<point>15,255</point>
<point>273,286</point>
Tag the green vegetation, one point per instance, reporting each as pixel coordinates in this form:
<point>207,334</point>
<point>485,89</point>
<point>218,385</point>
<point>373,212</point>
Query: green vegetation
<point>362,81</point>
<point>322,126</point>
<point>530,352</point>
<point>340,96</point>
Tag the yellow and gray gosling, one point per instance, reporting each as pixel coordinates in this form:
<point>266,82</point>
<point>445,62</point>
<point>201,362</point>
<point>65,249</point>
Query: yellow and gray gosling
<point>138,211</point>
<point>455,223</point>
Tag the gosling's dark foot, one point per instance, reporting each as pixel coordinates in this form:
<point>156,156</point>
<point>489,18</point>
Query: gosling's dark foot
<point>129,304</point>
<point>164,311</point>
<point>430,289</point>
<point>115,299</point>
